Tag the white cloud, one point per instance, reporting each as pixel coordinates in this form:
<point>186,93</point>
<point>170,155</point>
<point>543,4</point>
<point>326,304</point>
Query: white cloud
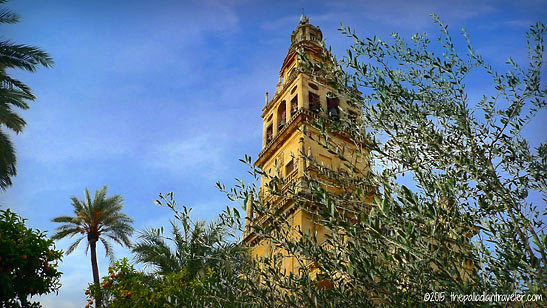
<point>198,152</point>
<point>520,23</point>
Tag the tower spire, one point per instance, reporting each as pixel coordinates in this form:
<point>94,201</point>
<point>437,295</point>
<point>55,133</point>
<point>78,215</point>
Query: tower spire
<point>303,18</point>
<point>305,31</point>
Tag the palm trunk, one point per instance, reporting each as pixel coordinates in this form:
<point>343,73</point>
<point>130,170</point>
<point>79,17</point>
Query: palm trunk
<point>95,268</point>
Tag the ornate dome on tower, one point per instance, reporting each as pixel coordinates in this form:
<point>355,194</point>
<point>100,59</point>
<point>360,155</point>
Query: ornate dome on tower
<point>306,31</point>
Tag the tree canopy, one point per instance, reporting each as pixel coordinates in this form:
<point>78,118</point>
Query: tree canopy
<point>14,93</point>
<point>28,262</point>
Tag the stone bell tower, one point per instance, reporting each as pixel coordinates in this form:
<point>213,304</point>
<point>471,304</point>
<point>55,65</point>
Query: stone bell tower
<point>299,98</point>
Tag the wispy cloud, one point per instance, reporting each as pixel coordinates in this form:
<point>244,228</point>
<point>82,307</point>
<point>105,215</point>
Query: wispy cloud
<point>520,23</point>
<point>199,152</point>
<point>53,150</point>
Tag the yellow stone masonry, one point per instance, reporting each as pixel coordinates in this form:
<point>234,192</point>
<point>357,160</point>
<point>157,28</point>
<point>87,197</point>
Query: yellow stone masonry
<point>298,99</point>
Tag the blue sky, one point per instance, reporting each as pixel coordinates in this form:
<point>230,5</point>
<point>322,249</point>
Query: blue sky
<point>149,97</point>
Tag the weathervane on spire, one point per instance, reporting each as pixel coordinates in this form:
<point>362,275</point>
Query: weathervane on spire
<point>303,18</point>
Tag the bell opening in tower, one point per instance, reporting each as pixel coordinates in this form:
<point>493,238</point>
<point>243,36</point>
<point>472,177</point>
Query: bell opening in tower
<point>269,133</point>
<point>314,102</point>
<point>294,105</point>
<point>332,106</point>
<point>282,114</point>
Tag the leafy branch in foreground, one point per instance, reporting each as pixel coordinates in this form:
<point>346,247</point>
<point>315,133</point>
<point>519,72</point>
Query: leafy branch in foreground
<point>468,160</point>
<point>463,223</point>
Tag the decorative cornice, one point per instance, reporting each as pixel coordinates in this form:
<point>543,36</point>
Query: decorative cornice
<point>283,133</point>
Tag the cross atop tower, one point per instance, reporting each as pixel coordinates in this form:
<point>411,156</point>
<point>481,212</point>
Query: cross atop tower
<point>303,18</point>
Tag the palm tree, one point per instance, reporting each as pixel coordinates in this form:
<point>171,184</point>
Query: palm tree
<point>14,93</point>
<point>96,219</point>
<point>197,247</point>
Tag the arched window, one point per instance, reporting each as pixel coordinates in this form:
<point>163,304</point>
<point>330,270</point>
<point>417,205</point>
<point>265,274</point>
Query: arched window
<point>313,100</point>
<point>269,133</point>
<point>332,105</point>
<point>294,104</point>
<point>289,167</point>
<point>282,114</point>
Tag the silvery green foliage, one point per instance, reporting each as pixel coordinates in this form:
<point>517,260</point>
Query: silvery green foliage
<point>468,153</point>
<point>462,223</point>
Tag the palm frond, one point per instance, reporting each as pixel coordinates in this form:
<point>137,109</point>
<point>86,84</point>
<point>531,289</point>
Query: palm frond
<point>96,215</point>
<point>7,161</point>
<point>23,56</point>
<point>10,119</point>
<point>197,246</point>
<point>64,231</point>
<point>78,206</point>
<point>8,17</point>
<point>115,239</point>
<point>11,84</point>
<point>87,203</point>
<point>120,236</point>
<point>74,245</point>
<point>14,93</point>
<point>13,96</point>
<point>109,251</point>
<point>152,250</point>
<point>116,219</point>
<point>100,196</point>
<point>64,219</point>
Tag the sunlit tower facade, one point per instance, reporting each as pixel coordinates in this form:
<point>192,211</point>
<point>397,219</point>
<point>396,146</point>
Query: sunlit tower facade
<point>288,139</point>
